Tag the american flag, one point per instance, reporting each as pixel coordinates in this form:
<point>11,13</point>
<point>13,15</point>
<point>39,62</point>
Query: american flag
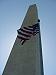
<point>25,33</point>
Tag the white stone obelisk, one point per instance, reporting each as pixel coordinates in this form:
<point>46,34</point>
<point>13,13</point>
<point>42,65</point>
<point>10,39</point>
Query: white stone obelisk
<point>26,55</point>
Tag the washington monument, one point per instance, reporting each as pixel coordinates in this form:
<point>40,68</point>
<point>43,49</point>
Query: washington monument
<point>26,55</point>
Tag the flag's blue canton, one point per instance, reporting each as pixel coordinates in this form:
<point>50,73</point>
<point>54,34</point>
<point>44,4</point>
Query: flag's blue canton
<point>25,33</point>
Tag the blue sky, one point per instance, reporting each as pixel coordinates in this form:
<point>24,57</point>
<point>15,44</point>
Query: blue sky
<point>12,13</point>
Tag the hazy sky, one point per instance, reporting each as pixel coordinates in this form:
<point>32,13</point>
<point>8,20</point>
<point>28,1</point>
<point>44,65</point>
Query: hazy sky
<point>12,13</point>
